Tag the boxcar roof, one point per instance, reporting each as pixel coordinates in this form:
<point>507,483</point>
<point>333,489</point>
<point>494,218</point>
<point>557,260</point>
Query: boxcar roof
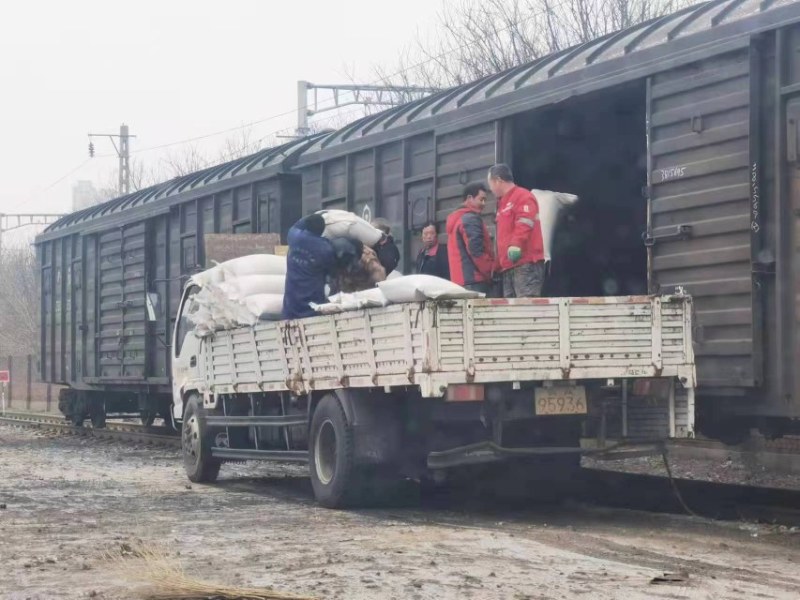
<point>261,165</point>
<point>690,34</point>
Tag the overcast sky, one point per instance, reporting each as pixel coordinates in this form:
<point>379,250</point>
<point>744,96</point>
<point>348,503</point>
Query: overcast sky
<point>171,70</point>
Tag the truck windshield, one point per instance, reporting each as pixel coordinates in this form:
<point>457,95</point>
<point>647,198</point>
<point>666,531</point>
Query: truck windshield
<point>183,321</point>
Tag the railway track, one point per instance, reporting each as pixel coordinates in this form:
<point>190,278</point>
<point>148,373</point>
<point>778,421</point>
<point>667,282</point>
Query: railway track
<point>616,489</point>
<point>701,498</point>
<point>131,432</point>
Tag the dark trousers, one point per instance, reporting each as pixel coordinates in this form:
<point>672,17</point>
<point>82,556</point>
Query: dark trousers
<point>524,281</point>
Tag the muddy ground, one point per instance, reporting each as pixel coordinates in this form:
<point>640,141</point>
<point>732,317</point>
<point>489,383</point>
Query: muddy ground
<point>68,502</point>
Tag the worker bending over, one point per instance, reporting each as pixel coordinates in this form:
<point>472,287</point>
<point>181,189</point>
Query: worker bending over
<point>309,261</point>
<point>520,249</point>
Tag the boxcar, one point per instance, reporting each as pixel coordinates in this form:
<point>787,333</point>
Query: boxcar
<point>112,275</point>
<point>680,136</point>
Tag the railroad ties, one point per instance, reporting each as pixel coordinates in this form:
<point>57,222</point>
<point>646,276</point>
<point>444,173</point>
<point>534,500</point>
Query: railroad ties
<point>131,432</point>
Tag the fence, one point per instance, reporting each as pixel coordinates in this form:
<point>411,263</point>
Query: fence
<point>25,391</point>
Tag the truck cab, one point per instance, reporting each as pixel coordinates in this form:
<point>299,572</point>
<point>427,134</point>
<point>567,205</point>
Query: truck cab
<point>185,352</point>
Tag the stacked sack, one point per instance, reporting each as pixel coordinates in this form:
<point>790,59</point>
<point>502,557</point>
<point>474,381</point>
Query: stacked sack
<point>238,292</point>
<point>244,290</point>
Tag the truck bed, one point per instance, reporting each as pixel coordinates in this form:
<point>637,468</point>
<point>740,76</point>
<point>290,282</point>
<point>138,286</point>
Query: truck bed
<point>435,344</point>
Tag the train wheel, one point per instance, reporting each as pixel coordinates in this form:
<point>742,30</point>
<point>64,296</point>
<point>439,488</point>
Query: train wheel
<point>148,418</point>
<point>196,442</point>
<point>334,476</point>
<point>77,419</point>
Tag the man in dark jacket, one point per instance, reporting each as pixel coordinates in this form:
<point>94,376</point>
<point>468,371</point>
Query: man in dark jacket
<point>468,242</point>
<point>432,259</point>
<point>308,263</point>
<point>386,249</point>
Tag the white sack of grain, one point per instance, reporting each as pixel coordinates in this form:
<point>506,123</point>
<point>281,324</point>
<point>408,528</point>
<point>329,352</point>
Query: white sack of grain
<point>550,206</point>
<point>267,307</point>
<point>252,264</point>
<point>341,223</point>
<point>417,288</point>
<point>239,288</point>
<point>344,301</point>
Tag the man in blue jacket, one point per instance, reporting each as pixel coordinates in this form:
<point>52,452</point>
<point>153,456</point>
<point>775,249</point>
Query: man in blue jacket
<point>311,258</point>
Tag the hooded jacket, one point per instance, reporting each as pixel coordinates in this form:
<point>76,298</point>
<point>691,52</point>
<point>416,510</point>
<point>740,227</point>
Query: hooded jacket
<point>308,263</point>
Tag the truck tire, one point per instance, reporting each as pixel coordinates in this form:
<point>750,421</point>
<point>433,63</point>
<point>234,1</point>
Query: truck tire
<point>196,442</point>
<point>334,474</point>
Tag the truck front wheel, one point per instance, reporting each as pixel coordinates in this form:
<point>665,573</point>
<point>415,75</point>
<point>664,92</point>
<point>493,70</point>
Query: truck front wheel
<point>334,475</point>
<point>196,442</point>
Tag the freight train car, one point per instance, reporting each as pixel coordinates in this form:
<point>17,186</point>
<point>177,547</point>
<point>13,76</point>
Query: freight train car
<point>112,275</point>
<point>680,135</point>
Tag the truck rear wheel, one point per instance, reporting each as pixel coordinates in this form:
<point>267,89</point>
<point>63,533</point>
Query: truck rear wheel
<point>334,475</point>
<point>196,442</point>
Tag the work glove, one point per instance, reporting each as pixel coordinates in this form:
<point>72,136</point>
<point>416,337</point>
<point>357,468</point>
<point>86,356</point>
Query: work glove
<point>514,253</point>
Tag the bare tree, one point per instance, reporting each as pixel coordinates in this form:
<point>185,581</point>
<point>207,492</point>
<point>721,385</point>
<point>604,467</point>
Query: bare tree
<point>477,38</point>
<point>239,144</point>
<point>143,174</point>
<point>19,306</point>
<point>187,159</point>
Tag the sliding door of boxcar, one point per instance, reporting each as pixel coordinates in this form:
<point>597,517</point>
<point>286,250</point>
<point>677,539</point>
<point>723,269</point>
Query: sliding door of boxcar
<point>45,251</point>
<point>89,321</point>
<point>75,362</point>
<point>700,224</point>
<point>121,347</point>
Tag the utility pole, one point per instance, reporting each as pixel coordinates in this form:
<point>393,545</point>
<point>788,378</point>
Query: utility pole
<point>123,152</point>
<point>365,95</point>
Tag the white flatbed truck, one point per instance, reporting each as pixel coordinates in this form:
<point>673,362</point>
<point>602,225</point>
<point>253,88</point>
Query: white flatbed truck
<point>415,389</point>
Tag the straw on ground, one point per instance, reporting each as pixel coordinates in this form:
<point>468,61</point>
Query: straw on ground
<point>163,577</point>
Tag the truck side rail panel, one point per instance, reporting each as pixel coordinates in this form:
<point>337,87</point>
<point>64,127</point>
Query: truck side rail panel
<point>435,344</point>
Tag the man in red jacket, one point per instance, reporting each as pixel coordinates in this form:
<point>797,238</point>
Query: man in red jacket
<point>520,249</point>
<point>469,247</point>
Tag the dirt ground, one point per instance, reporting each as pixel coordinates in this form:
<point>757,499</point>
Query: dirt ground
<point>65,503</point>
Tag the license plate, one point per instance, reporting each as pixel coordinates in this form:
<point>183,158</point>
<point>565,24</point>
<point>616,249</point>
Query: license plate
<point>566,400</point>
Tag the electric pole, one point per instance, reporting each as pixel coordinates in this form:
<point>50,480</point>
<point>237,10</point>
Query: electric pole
<point>123,152</point>
<point>365,95</point>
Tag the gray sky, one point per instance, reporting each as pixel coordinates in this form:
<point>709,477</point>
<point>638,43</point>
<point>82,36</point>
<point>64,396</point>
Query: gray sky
<point>172,70</point>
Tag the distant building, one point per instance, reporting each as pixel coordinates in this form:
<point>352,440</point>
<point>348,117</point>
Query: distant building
<point>84,195</point>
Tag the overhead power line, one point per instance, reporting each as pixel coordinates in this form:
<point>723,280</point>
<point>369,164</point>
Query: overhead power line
<point>333,101</point>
